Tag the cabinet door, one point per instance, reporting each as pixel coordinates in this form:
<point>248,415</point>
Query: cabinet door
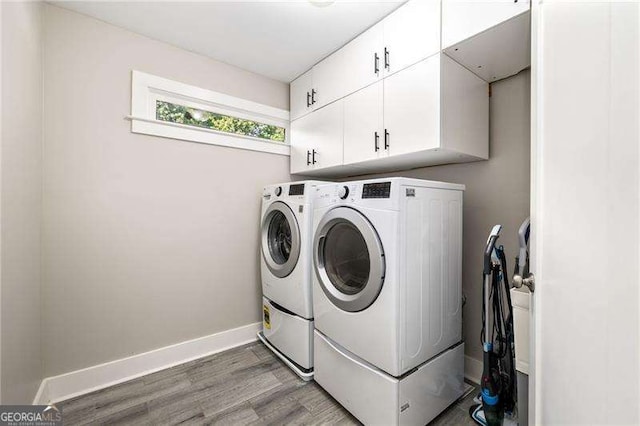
<point>363,59</point>
<point>412,107</point>
<point>328,80</point>
<point>363,124</point>
<point>462,19</point>
<point>300,95</point>
<point>301,140</point>
<point>316,139</point>
<point>411,34</point>
<point>327,127</point>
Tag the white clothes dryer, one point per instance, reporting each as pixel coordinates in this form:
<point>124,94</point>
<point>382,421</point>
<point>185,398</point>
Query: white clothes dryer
<point>387,296</point>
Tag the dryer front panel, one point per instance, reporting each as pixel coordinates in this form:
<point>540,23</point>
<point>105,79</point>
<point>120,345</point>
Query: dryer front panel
<point>280,239</point>
<point>349,259</point>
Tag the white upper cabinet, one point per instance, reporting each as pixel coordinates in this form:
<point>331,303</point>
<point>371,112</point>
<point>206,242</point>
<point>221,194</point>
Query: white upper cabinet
<point>491,38</point>
<point>462,19</point>
<point>464,112</point>
<point>363,125</point>
<point>300,95</point>
<point>302,143</point>
<point>328,128</point>
<point>410,91</point>
<point>317,139</point>
<point>411,33</point>
<point>319,86</point>
<point>363,60</point>
<point>328,79</point>
<point>433,112</point>
<point>412,108</point>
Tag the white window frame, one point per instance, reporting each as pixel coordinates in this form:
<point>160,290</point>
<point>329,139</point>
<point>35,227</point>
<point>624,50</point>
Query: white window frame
<point>147,89</point>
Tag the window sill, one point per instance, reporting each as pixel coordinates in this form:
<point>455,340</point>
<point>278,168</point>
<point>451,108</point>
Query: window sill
<point>201,135</point>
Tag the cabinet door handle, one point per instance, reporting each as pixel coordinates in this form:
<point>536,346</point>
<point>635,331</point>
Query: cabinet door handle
<point>308,158</point>
<point>376,139</point>
<point>313,157</point>
<point>387,63</point>
<point>313,96</point>
<point>308,99</point>
<point>376,63</point>
<point>386,139</point>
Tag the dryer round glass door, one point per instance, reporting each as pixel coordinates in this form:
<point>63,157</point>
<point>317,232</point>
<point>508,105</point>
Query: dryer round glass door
<point>280,239</point>
<point>349,259</point>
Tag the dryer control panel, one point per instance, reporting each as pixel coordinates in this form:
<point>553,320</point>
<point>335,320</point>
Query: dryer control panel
<point>380,193</point>
<point>375,193</point>
<point>376,190</point>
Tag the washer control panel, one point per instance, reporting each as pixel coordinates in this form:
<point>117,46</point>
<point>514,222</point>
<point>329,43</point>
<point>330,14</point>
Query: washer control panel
<point>296,189</point>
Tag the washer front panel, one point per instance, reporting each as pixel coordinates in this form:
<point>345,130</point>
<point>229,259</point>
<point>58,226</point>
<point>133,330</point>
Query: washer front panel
<point>280,239</point>
<point>349,259</point>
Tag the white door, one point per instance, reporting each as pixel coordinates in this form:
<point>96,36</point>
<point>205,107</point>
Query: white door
<point>300,97</point>
<point>328,80</point>
<point>411,33</point>
<point>363,124</point>
<point>586,212</point>
<point>412,108</point>
<point>462,19</point>
<point>364,62</point>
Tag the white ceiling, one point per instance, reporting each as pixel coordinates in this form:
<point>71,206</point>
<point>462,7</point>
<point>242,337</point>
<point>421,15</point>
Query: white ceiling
<point>278,39</point>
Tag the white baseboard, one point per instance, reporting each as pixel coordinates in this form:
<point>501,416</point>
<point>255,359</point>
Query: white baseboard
<point>472,369</point>
<point>42,396</point>
<point>69,385</point>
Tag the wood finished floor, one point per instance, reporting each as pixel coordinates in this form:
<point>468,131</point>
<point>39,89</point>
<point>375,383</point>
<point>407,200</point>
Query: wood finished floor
<point>243,386</point>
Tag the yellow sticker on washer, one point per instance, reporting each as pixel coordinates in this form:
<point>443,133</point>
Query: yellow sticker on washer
<point>265,317</point>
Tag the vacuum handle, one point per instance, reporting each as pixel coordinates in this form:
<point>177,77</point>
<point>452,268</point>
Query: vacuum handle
<point>523,240</point>
<point>488,249</point>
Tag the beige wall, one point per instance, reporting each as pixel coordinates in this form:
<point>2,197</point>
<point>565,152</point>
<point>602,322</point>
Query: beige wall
<point>147,241</point>
<point>21,201</point>
<point>497,192</point>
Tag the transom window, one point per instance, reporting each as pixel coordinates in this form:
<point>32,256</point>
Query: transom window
<point>175,110</point>
<point>174,113</point>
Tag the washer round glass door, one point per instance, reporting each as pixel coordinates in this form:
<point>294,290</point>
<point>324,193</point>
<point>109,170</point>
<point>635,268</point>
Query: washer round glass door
<point>280,239</point>
<point>349,259</point>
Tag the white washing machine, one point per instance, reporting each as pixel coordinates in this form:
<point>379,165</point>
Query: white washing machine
<point>387,290</point>
<point>286,267</point>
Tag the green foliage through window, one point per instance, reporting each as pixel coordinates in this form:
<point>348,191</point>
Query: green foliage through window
<point>166,111</point>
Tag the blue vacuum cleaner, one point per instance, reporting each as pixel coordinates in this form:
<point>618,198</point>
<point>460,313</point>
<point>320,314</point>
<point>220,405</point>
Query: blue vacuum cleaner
<point>497,399</point>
